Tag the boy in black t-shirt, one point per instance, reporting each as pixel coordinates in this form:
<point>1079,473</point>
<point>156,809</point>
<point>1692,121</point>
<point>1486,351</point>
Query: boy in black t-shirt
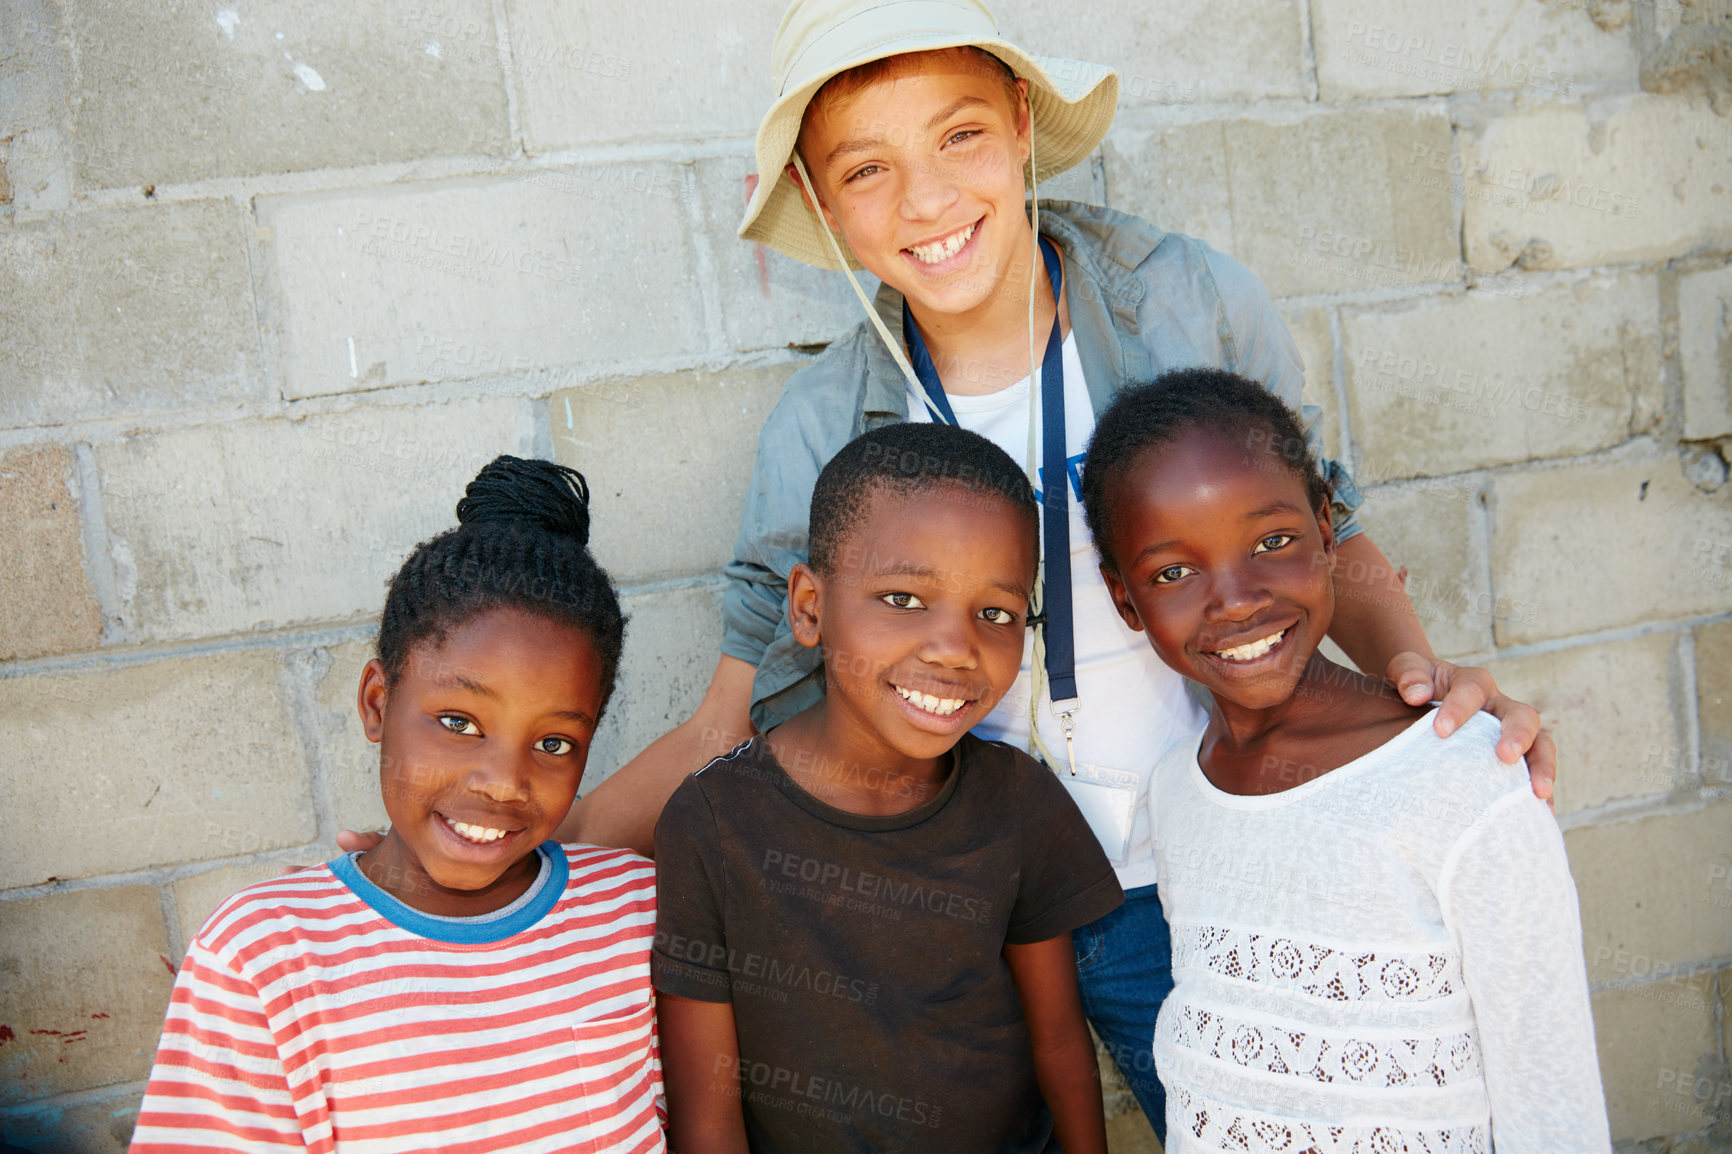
<point>865,914</point>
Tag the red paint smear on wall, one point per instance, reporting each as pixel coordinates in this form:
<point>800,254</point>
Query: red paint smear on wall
<point>763,258</point>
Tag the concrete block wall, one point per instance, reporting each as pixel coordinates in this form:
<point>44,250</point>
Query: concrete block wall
<point>277,277</point>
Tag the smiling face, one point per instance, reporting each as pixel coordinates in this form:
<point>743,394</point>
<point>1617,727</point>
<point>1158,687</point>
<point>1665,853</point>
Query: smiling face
<point>921,170</point>
<point>1223,563</point>
<point>482,743</point>
<point>922,621</point>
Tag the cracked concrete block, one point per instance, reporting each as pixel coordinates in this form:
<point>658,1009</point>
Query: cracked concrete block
<point>33,83</point>
<point>588,73</point>
<point>676,512</point>
<point>182,759</point>
<point>1180,52</point>
<point>47,604</point>
<point>1614,180</point>
<point>1613,711</point>
<point>530,276</point>
<point>1694,54</point>
<point>263,524</point>
<point>114,313</point>
<point>1427,527</point>
<point>175,93</point>
<point>1657,1047</point>
<point>1655,892</point>
<point>1312,202</point>
<point>1540,51</point>
<point>1705,352</point>
<point>33,107</point>
<point>1714,700</point>
<point>87,984</point>
<point>1470,381</point>
<point>1604,545</point>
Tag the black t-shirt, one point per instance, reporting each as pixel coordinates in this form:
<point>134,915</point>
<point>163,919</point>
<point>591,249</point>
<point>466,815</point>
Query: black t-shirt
<point>864,955</point>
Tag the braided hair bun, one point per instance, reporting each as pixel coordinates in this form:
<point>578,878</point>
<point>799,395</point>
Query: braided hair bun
<point>514,489</point>
<point>521,543</point>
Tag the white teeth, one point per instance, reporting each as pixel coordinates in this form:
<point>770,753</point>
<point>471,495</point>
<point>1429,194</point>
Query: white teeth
<point>1252,650</point>
<point>942,706</point>
<point>944,249</point>
<point>475,833</point>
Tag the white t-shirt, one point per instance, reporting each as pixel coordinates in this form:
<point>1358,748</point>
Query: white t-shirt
<point>1385,957</point>
<point>1133,707</point>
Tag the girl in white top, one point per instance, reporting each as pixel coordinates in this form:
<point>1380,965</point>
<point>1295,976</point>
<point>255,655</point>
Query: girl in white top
<point>1376,943</point>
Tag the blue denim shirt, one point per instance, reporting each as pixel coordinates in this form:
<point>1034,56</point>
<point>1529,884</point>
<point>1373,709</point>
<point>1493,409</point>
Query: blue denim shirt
<point>1143,301</point>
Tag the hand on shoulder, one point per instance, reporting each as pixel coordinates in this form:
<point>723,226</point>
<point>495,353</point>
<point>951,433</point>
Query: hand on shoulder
<point>1465,690</point>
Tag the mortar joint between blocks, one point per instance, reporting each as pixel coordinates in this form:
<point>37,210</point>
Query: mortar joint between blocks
<point>704,262</point>
<point>508,77</point>
<point>298,682</point>
<point>1688,706</point>
<point>1338,385</point>
<point>98,547</point>
<point>1308,51</point>
<point>170,907</point>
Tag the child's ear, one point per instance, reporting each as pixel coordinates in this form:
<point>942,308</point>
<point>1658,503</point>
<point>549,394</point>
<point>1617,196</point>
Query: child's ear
<point>805,600</point>
<point>370,700</point>
<point>809,195</point>
<point>1024,122</point>
<point>1326,526</point>
<point>1121,602</point>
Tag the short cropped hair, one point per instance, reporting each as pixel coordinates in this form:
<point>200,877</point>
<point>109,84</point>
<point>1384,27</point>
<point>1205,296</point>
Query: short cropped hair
<point>849,81</point>
<point>1179,404</point>
<point>910,457</point>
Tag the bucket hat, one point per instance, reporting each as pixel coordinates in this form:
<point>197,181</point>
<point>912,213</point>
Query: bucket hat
<point>1071,102</point>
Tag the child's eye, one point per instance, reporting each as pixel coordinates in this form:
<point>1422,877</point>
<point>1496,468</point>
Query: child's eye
<point>963,135</point>
<point>862,171</point>
<point>457,724</point>
<point>903,601</point>
<point>555,745</point>
<point>1171,574</point>
<point>998,616</point>
<point>1272,541</point>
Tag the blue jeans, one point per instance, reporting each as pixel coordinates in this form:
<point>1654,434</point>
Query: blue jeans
<point>1124,965</point>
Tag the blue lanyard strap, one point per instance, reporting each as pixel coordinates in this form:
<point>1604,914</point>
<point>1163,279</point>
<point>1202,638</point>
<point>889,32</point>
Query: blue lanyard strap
<point>925,370</point>
<point>1055,483</point>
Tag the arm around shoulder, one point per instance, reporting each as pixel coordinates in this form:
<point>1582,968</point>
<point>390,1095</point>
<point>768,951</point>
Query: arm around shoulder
<point>622,811</point>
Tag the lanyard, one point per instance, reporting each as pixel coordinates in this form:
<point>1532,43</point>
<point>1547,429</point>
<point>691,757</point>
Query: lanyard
<point>1055,617</point>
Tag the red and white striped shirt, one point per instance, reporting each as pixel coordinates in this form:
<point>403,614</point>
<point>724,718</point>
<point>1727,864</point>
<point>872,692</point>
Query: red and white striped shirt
<point>316,1012</point>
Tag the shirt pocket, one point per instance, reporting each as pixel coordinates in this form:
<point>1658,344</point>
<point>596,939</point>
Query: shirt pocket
<point>619,1079</point>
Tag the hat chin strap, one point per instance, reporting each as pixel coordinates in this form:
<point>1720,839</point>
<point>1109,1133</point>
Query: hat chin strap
<point>895,346</point>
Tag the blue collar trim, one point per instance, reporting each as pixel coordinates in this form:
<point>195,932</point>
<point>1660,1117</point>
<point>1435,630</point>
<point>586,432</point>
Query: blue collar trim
<point>459,933</point>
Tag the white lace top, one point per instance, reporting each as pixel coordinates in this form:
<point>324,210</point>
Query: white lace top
<point>1386,959</point>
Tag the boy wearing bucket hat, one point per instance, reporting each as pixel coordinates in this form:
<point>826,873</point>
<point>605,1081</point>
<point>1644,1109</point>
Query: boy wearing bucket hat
<point>904,139</point>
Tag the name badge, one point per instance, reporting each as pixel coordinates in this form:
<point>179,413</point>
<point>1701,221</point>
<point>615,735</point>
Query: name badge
<point>1107,799</point>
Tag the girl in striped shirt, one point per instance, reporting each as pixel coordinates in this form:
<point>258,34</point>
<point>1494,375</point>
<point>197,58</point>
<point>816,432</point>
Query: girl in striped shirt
<point>467,983</point>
